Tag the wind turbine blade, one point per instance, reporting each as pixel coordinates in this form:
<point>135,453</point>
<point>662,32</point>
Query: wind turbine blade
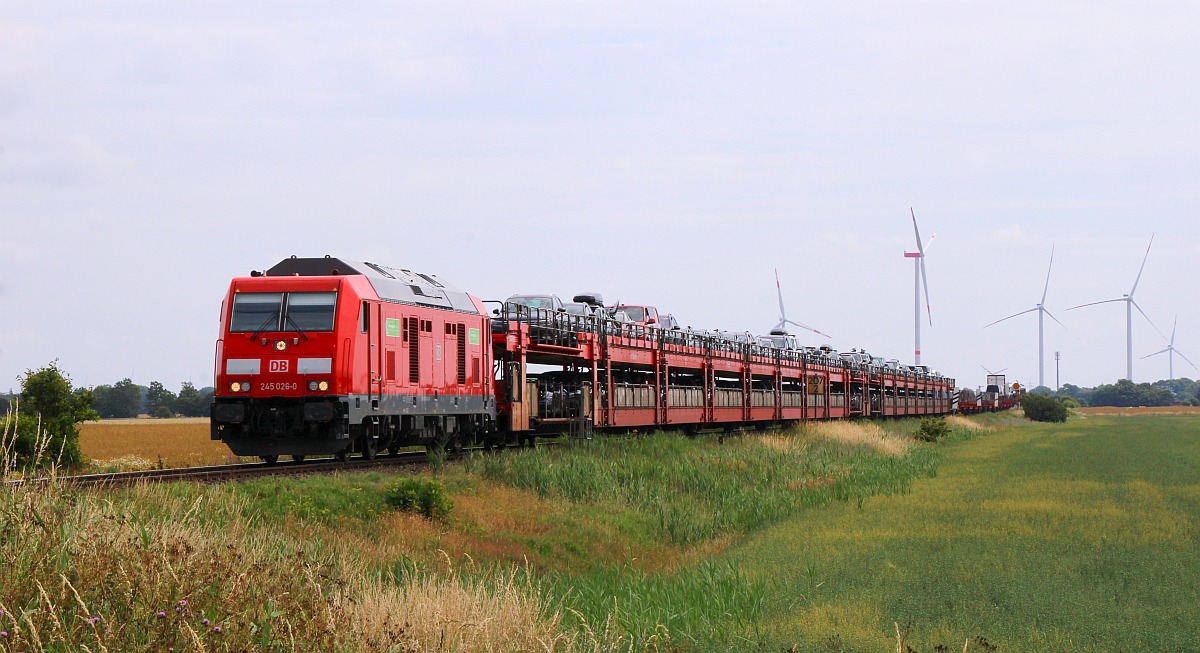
<point>1186,359</point>
<point>1135,305</point>
<point>1048,269</point>
<point>920,248</point>
<point>806,327</point>
<point>925,282</point>
<point>1161,351</point>
<point>1139,276</point>
<point>1062,325</point>
<point>1107,301</point>
<point>779,291</point>
<point>1009,317</point>
<point>985,369</point>
<point>1173,325</point>
<point>929,242</point>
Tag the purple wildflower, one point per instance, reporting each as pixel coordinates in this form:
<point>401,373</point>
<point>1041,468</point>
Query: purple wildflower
<point>94,619</point>
<point>206,622</point>
<point>216,629</point>
<point>161,615</point>
<point>182,601</point>
<point>3,633</point>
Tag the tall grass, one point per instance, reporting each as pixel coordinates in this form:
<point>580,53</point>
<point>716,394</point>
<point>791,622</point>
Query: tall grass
<point>696,492</point>
<point>156,568</point>
<point>86,572</point>
<point>702,489</point>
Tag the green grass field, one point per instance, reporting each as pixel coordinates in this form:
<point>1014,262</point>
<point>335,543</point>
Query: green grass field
<point>1074,537</point>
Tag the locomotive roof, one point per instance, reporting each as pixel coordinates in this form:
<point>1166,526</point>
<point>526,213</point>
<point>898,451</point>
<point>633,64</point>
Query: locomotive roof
<point>392,284</point>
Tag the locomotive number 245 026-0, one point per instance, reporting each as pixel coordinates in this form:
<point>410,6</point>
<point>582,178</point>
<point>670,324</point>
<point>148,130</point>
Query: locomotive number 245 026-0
<point>277,387</point>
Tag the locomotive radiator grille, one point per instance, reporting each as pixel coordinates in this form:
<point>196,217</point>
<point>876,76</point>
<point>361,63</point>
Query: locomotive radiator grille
<point>462,353</point>
<point>412,325</point>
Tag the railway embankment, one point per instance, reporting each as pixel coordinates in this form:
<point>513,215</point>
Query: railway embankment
<point>614,544</point>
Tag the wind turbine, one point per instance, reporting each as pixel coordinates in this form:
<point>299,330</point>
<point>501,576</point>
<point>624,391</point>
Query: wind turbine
<point>1170,351</point>
<point>919,280</point>
<point>1042,313</point>
<point>1130,304</point>
<point>985,369</point>
<point>780,328</point>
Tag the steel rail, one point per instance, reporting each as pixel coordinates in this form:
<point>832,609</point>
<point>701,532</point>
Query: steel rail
<point>233,472</point>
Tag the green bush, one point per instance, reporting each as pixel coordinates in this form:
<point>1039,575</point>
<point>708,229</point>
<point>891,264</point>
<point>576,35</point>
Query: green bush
<point>1043,409</point>
<point>932,429</point>
<point>1068,402</point>
<point>43,428</point>
<point>427,497</point>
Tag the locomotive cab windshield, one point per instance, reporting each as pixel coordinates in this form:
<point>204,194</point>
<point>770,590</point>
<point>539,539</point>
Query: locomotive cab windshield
<point>256,312</point>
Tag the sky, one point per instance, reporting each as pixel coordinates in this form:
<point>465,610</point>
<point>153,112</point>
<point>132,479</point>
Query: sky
<point>668,153</point>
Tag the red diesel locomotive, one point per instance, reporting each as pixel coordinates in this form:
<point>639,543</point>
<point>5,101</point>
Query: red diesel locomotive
<point>322,356</point>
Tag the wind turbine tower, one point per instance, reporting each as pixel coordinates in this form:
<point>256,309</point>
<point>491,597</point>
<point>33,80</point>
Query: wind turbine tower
<point>1130,304</point>
<point>919,280</point>
<point>1042,313</point>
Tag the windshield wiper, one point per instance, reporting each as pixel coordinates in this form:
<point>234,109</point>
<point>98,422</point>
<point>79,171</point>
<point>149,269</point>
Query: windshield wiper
<point>262,327</point>
<point>298,329</point>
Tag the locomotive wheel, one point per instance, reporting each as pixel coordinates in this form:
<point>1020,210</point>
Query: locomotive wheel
<point>298,458</point>
<point>342,456</point>
<point>369,447</point>
<point>393,450</point>
<point>271,459</point>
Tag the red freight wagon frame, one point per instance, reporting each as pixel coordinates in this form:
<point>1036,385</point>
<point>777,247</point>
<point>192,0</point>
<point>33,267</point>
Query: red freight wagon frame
<point>637,377</point>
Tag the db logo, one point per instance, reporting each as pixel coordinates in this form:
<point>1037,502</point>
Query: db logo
<point>278,366</point>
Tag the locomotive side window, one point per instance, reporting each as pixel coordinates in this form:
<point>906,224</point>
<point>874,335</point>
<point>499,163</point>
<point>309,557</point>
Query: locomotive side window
<point>364,324</point>
<point>311,311</point>
<point>256,311</point>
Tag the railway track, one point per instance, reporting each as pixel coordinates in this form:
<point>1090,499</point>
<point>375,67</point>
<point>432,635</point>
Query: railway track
<point>235,472</point>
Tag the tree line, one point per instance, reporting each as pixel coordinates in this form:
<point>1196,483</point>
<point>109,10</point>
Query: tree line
<point>1126,393</point>
<point>127,399</point>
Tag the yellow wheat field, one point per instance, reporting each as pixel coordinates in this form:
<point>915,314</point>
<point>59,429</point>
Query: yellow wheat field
<point>144,443</point>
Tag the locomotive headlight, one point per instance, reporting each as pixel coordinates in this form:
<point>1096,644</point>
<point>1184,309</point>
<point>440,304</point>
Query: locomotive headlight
<point>280,345</point>
<point>238,387</point>
<point>323,386</point>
